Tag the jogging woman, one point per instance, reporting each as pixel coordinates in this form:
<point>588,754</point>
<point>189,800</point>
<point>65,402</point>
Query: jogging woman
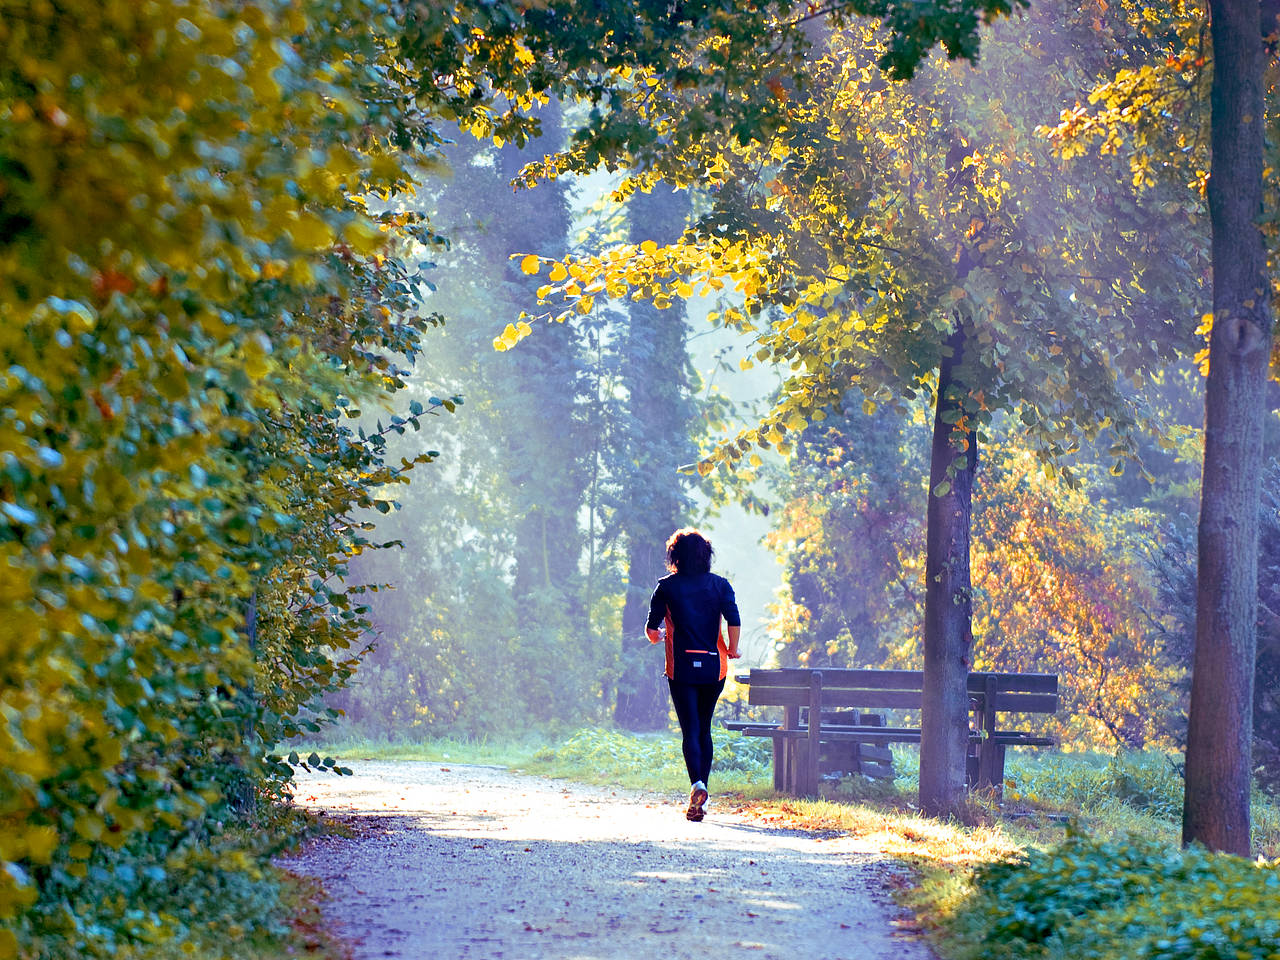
<point>691,602</point>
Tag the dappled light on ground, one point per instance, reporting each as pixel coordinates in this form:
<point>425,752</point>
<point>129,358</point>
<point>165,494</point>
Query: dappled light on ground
<point>457,861</point>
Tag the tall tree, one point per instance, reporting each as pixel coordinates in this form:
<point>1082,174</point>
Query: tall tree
<point>920,238</point>
<point>1219,736</point>
<point>656,441</point>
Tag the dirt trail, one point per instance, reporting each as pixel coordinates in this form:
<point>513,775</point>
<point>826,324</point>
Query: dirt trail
<point>455,861</point>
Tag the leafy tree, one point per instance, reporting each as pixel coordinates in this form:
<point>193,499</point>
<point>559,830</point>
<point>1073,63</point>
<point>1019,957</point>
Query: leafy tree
<point>921,238</point>
<point>851,536</point>
<point>1061,587</point>
<point>1059,583</point>
<point>1237,93</point>
<point>193,294</point>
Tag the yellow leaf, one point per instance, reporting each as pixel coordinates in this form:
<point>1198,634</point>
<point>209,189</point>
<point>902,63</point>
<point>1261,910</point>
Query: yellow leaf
<point>42,841</point>
<point>558,272</point>
<point>530,263</point>
<point>362,236</point>
<point>309,232</point>
<point>649,247</point>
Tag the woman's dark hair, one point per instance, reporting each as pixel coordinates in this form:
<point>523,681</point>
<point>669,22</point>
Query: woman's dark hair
<point>688,551</point>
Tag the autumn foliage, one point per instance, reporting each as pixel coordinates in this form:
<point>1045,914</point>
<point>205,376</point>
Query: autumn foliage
<point>1061,580</point>
<point>195,301</point>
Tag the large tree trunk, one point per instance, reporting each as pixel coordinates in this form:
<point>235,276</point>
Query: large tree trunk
<point>948,636</point>
<point>658,440</point>
<point>642,691</point>
<point>1216,811</point>
<point>541,394</point>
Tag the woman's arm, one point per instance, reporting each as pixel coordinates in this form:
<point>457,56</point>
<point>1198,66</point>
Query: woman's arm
<point>734,633</point>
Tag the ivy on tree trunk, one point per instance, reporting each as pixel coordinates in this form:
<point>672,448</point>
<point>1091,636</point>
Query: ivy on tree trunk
<point>948,614</point>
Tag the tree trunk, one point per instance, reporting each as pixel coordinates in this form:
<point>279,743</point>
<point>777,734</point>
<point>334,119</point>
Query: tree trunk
<point>1220,728</point>
<point>948,635</point>
<point>642,693</point>
<point>657,441</point>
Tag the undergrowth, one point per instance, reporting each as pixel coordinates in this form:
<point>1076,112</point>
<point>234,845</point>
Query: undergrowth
<point>1121,899</point>
<point>215,896</point>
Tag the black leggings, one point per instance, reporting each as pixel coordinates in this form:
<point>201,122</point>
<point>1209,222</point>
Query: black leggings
<point>695,703</point>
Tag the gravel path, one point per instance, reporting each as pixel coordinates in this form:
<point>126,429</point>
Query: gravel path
<point>454,861</point>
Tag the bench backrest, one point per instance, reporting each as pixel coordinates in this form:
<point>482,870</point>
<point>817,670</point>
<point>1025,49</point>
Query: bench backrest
<point>898,689</point>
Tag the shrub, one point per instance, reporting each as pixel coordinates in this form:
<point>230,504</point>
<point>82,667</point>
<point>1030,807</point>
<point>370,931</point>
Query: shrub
<point>1132,899</point>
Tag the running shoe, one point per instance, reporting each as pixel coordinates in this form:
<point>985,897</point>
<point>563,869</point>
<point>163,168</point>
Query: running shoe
<point>697,797</point>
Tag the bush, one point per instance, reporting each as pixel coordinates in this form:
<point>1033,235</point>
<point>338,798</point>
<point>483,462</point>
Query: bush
<point>1132,899</point>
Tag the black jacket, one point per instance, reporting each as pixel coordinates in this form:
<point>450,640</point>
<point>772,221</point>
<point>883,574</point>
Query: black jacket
<point>691,606</point>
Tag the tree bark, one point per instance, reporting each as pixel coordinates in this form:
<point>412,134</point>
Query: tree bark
<point>1220,727</point>
<point>642,695</point>
<point>658,440</point>
<point>948,612</point>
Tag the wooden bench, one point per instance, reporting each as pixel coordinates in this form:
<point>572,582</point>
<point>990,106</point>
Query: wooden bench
<point>810,730</point>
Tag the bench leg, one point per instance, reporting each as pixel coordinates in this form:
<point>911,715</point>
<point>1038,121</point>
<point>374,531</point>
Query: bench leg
<point>991,765</point>
<point>812,755</point>
<point>784,753</point>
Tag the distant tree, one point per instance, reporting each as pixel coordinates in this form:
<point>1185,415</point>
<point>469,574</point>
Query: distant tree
<point>851,534</point>
<point>654,441</point>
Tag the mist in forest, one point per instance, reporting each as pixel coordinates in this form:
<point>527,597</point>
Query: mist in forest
<point>531,545</point>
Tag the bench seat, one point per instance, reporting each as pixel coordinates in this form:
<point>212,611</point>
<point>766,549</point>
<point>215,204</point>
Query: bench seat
<point>802,751</point>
